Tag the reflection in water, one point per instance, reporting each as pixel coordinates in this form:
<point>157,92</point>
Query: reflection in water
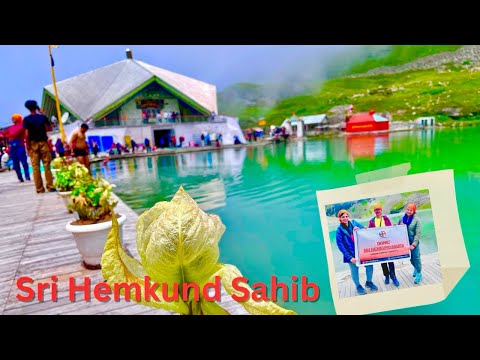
<point>366,146</point>
<point>315,151</point>
<point>228,162</point>
<point>302,151</point>
<point>131,165</point>
<point>250,151</point>
<point>426,136</point>
<point>271,213</point>
<point>262,158</point>
<point>209,195</point>
<point>295,151</point>
<point>111,170</point>
<point>107,170</point>
<point>209,159</point>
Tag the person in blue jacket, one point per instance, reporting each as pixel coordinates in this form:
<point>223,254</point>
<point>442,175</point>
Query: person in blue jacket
<point>346,245</point>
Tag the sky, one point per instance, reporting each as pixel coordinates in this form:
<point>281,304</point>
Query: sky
<point>25,69</point>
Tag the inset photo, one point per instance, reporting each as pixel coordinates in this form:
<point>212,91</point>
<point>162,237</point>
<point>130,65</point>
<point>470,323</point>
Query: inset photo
<point>383,243</point>
<point>392,243</point>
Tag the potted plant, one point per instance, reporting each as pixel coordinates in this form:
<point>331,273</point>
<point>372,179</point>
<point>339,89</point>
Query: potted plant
<point>68,176</point>
<point>94,205</point>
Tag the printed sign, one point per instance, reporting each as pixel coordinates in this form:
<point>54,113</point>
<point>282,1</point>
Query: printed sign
<point>155,104</point>
<point>381,244</point>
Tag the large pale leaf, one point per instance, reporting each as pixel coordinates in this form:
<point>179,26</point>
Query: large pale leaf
<point>144,231</point>
<point>212,308</point>
<point>118,267</point>
<point>178,242</point>
<point>228,273</point>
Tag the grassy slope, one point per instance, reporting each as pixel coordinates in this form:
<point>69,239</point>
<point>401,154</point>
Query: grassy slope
<point>245,100</point>
<point>401,54</point>
<point>426,92</point>
<point>418,93</point>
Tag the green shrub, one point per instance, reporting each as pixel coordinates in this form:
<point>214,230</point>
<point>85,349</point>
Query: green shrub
<point>68,177</point>
<point>92,200</point>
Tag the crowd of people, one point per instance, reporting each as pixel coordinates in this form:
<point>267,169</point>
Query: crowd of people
<point>345,243</point>
<point>207,139</point>
<point>161,116</point>
<point>28,138</point>
<point>253,135</point>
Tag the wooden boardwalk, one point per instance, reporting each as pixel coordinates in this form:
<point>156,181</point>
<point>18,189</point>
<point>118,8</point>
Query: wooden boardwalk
<point>432,274</point>
<point>35,243</point>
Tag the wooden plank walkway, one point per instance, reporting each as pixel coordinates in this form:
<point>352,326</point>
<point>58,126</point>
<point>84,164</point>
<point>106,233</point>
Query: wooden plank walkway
<point>432,274</point>
<point>35,243</point>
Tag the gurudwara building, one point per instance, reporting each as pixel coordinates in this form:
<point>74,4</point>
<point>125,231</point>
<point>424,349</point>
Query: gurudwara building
<point>131,100</point>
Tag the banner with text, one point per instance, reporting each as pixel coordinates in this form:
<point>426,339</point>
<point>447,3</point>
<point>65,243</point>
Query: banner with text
<point>381,244</point>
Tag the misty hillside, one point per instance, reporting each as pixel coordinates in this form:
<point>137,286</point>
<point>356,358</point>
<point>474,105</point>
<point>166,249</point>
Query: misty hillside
<point>404,81</point>
<point>251,102</point>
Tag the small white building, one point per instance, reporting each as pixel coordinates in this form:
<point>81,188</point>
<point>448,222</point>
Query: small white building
<point>311,122</point>
<point>425,121</point>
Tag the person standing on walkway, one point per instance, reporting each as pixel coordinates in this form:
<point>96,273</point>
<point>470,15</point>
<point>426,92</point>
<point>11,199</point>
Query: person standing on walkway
<point>59,148</point>
<point>36,125</point>
<point>53,154</point>
<point>378,221</point>
<point>95,148</point>
<point>346,245</point>
<point>16,140</point>
<point>414,229</point>
<point>79,145</point>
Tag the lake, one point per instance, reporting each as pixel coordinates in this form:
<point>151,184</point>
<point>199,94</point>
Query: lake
<point>266,198</point>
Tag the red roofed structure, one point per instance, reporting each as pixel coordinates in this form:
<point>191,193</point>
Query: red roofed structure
<point>367,122</point>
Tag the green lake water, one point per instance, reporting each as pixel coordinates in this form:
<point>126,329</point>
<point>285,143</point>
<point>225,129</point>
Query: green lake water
<point>266,198</point>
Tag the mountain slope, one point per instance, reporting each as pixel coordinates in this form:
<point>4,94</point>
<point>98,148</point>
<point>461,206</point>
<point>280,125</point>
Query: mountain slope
<point>449,91</point>
<point>399,55</point>
<point>251,102</point>
<point>406,81</point>
<point>448,94</point>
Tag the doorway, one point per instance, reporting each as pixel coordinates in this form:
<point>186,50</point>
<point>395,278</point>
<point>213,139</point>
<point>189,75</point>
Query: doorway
<point>162,138</point>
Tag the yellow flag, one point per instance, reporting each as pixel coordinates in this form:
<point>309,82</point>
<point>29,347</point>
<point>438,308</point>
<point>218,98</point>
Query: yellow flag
<point>54,46</point>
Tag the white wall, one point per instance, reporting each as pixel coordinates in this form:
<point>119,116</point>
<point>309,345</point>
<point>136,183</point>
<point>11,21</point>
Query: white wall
<point>228,129</point>
<point>430,120</point>
<point>187,130</point>
<point>171,105</point>
<point>130,110</point>
<point>138,134</point>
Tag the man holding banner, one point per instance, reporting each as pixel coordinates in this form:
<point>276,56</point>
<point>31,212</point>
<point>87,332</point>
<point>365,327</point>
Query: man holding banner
<point>378,221</point>
<point>346,244</point>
